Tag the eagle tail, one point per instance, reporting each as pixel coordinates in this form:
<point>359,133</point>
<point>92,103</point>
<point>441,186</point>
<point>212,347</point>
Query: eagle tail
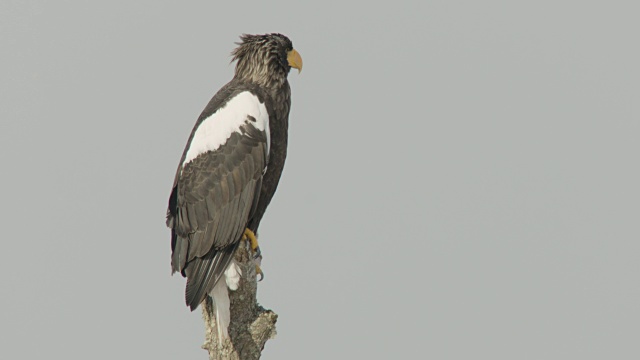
<point>221,301</point>
<point>221,309</point>
<point>205,272</point>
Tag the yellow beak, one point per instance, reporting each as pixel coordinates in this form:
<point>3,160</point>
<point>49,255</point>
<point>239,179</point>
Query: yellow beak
<point>295,60</point>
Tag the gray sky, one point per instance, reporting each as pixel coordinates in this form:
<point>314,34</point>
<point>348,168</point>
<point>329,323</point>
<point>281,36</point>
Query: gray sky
<point>462,179</point>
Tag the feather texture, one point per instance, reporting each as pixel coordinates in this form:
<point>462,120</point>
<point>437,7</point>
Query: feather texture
<point>215,195</point>
<point>214,131</point>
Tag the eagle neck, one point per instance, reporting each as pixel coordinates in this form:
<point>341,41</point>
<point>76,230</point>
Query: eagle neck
<point>269,82</point>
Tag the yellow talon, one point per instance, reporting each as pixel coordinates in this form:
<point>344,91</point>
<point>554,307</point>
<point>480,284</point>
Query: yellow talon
<point>252,237</point>
<point>257,256</point>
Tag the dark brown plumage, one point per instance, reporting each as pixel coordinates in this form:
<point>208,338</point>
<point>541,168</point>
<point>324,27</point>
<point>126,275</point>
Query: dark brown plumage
<point>224,184</point>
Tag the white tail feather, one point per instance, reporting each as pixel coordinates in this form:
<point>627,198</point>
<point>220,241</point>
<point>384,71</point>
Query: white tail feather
<point>221,310</point>
<point>221,303</point>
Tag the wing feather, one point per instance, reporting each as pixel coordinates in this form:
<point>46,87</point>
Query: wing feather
<point>216,193</point>
<point>202,277</point>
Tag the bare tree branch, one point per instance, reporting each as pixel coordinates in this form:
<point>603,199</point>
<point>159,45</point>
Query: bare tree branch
<point>251,325</point>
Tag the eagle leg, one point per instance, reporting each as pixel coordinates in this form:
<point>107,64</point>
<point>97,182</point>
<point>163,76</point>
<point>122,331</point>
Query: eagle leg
<point>251,236</point>
<point>257,254</point>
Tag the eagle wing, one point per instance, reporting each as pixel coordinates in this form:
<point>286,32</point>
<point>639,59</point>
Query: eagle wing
<point>216,191</point>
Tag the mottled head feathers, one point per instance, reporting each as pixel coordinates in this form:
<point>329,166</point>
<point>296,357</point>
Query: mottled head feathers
<point>265,59</point>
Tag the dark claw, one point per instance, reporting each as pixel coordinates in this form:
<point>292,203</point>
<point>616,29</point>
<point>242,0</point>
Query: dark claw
<point>261,276</point>
<point>258,253</point>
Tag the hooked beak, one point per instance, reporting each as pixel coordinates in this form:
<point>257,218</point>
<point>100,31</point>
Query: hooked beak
<point>295,60</point>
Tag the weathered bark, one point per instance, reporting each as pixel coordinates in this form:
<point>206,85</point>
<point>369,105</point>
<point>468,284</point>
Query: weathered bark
<point>251,325</point>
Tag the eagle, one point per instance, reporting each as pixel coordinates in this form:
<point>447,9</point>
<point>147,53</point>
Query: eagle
<point>230,169</point>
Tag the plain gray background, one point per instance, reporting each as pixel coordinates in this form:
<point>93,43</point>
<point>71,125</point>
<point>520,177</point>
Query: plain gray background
<point>462,179</point>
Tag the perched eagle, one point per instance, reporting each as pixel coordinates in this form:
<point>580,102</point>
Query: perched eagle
<point>230,169</point>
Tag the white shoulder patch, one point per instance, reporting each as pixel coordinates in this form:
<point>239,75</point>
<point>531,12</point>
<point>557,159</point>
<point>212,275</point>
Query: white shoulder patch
<point>217,128</point>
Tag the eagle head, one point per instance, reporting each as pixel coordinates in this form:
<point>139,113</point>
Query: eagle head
<point>265,59</point>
